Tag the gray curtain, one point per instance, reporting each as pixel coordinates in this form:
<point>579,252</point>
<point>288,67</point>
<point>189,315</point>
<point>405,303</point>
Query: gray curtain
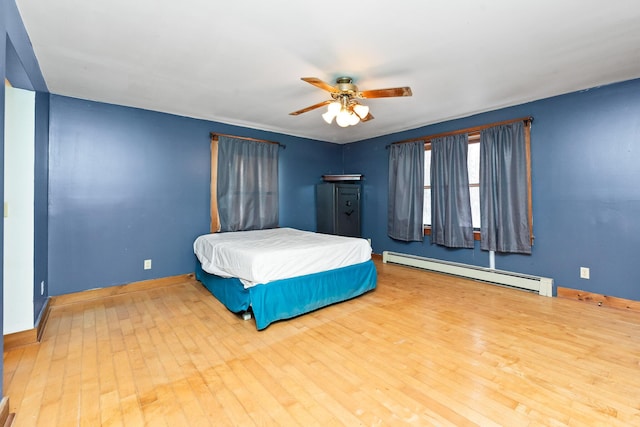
<point>503,190</point>
<point>247,184</point>
<point>406,191</point>
<point>451,223</point>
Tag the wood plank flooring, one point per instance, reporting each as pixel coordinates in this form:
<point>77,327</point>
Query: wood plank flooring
<point>422,349</point>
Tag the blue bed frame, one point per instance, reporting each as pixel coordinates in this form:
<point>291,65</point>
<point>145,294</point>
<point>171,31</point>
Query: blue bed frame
<point>287,298</point>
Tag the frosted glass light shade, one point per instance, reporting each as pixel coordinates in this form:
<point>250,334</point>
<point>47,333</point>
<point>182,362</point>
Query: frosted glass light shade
<point>361,110</point>
<point>328,116</point>
<point>334,108</point>
<point>342,119</point>
<point>353,119</point>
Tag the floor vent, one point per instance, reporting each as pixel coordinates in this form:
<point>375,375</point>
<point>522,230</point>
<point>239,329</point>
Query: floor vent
<point>540,285</point>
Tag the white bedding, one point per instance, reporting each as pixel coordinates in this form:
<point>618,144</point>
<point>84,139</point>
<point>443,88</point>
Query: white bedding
<point>262,256</point>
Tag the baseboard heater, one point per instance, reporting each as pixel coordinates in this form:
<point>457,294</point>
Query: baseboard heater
<point>541,285</point>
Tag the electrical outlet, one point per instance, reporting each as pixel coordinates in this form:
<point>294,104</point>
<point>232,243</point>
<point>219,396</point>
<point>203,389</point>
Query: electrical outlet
<point>584,273</point>
<point>147,264</point>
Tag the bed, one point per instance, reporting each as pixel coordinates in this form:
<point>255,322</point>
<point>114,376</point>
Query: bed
<point>282,273</point>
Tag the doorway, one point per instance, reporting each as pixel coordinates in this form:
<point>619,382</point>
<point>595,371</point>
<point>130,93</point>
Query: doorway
<point>19,159</point>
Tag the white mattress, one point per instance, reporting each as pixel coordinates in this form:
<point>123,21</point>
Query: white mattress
<point>262,256</point>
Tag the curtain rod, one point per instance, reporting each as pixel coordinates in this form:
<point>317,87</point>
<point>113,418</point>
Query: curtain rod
<point>526,120</point>
<point>246,138</point>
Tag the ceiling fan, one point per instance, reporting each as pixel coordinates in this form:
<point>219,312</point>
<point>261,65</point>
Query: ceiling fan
<point>344,105</point>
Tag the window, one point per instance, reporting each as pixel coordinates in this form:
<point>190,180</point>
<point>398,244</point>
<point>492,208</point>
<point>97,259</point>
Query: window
<point>244,183</point>
<point>473,166</point>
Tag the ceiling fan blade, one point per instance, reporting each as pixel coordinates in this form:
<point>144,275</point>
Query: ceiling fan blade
<point>312,107</point>
<point>367,118</point>
<point>319,83</point>
<point>386,93</point>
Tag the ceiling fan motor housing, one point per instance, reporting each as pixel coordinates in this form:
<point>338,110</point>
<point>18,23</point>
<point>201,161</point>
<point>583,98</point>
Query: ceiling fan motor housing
<point>345,86</point>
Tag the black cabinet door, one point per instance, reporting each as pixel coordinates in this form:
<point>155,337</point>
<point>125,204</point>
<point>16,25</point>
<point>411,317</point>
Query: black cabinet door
<point>348,210</point>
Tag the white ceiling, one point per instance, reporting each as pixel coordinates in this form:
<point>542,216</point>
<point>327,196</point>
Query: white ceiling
<point>240,61</point>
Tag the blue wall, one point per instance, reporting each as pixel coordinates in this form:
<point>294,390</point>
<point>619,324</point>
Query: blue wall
<point>586,197</point>
<point>127,184</point>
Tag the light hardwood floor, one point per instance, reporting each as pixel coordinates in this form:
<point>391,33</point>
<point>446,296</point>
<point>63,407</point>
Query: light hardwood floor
<point>422,349</point>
